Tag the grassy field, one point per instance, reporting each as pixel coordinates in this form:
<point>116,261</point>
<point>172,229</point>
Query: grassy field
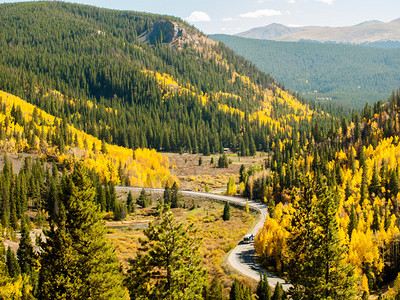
<point>219,236</point>
<point>193,177</point>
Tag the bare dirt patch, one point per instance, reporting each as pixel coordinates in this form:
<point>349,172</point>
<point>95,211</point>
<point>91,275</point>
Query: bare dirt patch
<point>17,160</point>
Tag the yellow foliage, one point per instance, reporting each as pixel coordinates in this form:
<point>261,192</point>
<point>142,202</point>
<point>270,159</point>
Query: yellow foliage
<point>149,168</point>
<point>14,288</point>
<point>364,284</point>
<point>270,242</point>
<point>364,249</point>
<point>297,110</point>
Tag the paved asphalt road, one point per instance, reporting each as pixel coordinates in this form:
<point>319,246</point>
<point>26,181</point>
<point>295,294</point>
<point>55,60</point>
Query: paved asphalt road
<point>243,256</point>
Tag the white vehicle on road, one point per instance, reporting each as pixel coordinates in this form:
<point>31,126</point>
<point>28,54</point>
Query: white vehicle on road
<point>248,238</point>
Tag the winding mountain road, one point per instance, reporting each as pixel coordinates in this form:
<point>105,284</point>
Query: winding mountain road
<point>243,256</point>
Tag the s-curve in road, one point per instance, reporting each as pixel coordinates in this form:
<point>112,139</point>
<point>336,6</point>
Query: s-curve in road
<point>243,256</point>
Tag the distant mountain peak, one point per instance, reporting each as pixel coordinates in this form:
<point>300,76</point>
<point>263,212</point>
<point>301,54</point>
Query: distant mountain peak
<point>269,32</point>
<point>368,32</point>
<point>369,23</point>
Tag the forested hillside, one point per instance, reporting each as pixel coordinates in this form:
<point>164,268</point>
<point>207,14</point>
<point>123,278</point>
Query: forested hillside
<point>139,80</point>
<point>334,200</point>
<point>27,129</point>
<point>350,75</point>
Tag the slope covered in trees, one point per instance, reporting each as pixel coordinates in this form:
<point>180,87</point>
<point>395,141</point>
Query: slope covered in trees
<point>129,79</point>
<point>350,75</point>
<point>25,128</point>
<point>343,186</point>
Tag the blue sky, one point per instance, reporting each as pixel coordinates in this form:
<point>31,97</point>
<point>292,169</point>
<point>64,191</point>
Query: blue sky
<point>233,16</point>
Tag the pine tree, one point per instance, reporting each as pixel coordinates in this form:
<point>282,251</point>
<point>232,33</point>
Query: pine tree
<point>101,197</point>
<point>252,147</point>
<point>374,186</point>
<point>363,188</point>
<point>26,255</point>
<point>344,127</point>
<point>263,289</point>
<point>12,263</point>
<point>271,208</point>
<point>93,148</point>
<point>103,147</point>
<point>388,221</point>
<point>143,200</point>
<point>235,293</point>
<point>77,260</point>
<point>167,265</point>
<point>300,265</point>
<point>394,182</point>
<point>52,199</point>
<point>242,172</point>
<point>361,157</point>
<point>223,161</point>
<point>347,191</point>
<point>206,148</point>
<point>215,290</point>
<point>243,148</point>
<point>167,195</point>
<point>227,212</point>
<point>338,281</point>
<point>113,195</point>
<point>353,221</point>
<point>13,214</point>
<point>370,276</point>
<point>240,291</point>
<point>352,161</point>
<point>315,255</point>
<point>119,211</point>
<point>375,221</point>
<point>279,293</point>
<point>129,203</point>
<point>356,130</point>
<point>175,195</point>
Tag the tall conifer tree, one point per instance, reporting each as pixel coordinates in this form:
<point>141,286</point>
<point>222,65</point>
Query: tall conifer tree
<point>167,265</point>
<point>78,262</point>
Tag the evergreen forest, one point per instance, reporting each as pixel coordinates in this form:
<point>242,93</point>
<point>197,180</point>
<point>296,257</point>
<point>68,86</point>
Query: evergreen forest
<point>345,74</point>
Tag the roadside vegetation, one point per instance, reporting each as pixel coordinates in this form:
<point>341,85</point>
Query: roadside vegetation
<point>218,236</point>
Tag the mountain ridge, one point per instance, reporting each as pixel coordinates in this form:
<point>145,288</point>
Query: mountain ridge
<point>372,33</point>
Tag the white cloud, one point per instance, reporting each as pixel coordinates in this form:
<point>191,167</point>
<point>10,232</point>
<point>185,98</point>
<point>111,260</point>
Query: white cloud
<point>262,1</point>
<point>291,1</point>
<point>198,16</point>
<point>329,2</point>
<point>261,13</point>
<point>227,19</point>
